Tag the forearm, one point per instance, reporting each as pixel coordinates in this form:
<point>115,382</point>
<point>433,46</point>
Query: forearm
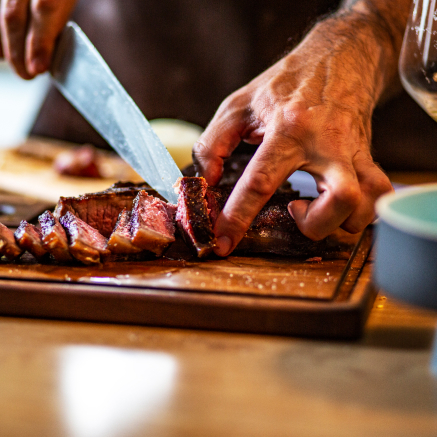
<point>384,21</point>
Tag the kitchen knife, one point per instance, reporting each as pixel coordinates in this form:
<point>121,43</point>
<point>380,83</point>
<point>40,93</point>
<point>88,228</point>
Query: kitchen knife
<point>84,78</point>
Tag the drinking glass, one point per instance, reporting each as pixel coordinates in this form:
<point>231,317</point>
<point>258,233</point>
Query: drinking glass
<point>418,59</point>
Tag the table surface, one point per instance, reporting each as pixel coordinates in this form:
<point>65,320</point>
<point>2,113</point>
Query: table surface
<point>76,379</point>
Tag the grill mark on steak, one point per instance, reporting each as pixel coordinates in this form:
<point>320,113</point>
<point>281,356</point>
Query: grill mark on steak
<point>192,216</point>
<point>54,238</point>
<point>29,237</point>
<point>8,245</point>
<point>86,243</point>
<point>152,223</point>
<point>120,241</point>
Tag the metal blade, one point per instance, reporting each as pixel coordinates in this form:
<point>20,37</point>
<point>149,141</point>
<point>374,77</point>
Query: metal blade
<point>83,77</point>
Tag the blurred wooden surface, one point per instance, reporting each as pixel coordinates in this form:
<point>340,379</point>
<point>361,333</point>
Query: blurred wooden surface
<point>28,169</point>
<point>78,379</point>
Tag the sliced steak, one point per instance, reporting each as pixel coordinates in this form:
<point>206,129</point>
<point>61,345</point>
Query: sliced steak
<point>29,237</point>
<point>100,210</point>
<point>192,216</point>
<point>8,246</point>
<point>152,223</point>
<point>120,241</point>
<point>86,243</point>
<point>54,238</point>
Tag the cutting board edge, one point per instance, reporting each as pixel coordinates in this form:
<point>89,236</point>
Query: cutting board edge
<point>88,303</point>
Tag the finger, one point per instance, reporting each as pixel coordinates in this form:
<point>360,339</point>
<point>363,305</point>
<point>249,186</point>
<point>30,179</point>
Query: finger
<point>220,138</point>
<point>14,20</point>
<point>373,183</point>
<point>48,17</point>
<point>339,196</point>
<point>1,44</point>
<point>211,149</point>
<point>263,175</point>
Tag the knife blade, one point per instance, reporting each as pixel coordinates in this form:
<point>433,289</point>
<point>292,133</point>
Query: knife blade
<point>84,78</point>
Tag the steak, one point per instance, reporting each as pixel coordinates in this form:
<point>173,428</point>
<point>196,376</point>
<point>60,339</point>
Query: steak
<point>273,230</point>
<point>54,238</point>
<point>86,244</point>
<point>29,238</point>
<point>100,210</point>
<point>8,247</point>
<point>152,223</point>
<point>120,241</point>
<point>192,216</point>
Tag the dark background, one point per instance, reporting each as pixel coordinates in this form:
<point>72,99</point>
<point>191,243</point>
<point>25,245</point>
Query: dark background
<point>181,58</point>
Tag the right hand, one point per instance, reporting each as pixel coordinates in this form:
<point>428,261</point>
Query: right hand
<point>28,31</point>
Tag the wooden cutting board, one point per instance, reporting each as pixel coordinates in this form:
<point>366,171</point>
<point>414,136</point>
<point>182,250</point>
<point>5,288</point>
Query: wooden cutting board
<point>270,295</point>
<point>263,294</point>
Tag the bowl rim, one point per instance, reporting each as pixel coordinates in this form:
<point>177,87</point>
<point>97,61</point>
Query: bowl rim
<point>413,226</point>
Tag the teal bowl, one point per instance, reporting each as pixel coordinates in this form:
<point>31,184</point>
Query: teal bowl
<point>406,245</point>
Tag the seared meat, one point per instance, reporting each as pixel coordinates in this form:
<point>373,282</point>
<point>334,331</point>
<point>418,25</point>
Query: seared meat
<point>29,238</point>
<point>8,246</point>
<point>192,216</point>
<point>99,210</point>
<point>152,223</point>
<point>86,243</point>
<point>54,238</point>
<point>273,229</point>
<point>120,241</point>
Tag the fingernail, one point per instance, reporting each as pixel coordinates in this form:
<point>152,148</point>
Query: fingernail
<point>38,65</point>
<point>224,245</point>
<point>289,209</point>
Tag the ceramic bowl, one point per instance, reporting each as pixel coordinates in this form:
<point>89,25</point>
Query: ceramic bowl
<point>406,245</point>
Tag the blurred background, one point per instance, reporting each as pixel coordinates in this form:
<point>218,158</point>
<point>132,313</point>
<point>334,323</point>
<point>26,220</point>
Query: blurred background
<point>20,101</point>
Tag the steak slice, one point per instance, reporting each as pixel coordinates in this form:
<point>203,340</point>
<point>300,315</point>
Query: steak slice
<point>54,238</point>
<point>8,245</point>
<point>152,223</point>
<point>192,216</point>
<point>29,238</point>
<point>100,210</point>
<point>120,241</point>
<point>86,243</point>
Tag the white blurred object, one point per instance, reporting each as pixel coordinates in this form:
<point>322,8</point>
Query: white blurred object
<point>20,101</point>
<point>178,137</point>
<point>304,183</point>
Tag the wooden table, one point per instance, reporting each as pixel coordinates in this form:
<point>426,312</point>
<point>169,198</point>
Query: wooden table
<point>95,380</point>
<point>78,379</point>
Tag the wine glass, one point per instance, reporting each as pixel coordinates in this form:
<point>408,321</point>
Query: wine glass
<point>418,72</point>
<point>418,58</point>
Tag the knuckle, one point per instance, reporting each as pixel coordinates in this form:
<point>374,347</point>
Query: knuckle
<point>261,183</point>
<point>45,7</point>
<point>13,16</point>
<point>238,222</point>
<point>355,228</point>
<point>347,194</point>
<point>200,150</point>
<point>313,234</point>
<point>380,184</point>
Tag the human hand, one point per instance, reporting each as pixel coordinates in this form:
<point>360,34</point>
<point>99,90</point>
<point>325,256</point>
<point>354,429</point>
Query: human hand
<point>28,31</point>
<point>310,111</point>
